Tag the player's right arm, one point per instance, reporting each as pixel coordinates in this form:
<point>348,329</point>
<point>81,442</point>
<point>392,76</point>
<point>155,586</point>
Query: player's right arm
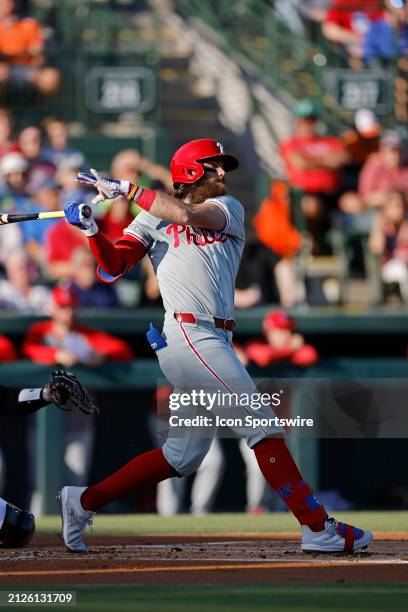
<point>114,259</point>
<point>207,215</point>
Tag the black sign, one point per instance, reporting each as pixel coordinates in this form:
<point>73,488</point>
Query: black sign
<point>118,90</point>
<point>354,89</point>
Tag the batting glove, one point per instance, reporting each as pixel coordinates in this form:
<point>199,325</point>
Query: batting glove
<point>74,214</point>
<point>107,188</point>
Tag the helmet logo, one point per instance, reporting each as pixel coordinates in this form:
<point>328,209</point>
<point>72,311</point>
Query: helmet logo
<point>220,147</point>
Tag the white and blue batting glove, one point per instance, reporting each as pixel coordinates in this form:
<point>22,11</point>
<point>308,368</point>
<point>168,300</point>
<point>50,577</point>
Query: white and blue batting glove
<point>107,188</point>
<point>74,214</point>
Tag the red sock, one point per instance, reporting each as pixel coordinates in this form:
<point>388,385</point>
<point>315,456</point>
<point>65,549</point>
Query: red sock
<point>146,469</point>
<point>281,472</point>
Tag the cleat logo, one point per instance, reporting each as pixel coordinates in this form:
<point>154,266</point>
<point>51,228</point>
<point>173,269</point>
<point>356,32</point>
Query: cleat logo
<point>220,147</point>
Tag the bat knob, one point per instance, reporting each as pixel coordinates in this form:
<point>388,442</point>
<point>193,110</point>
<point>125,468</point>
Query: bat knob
<point>87,212</point>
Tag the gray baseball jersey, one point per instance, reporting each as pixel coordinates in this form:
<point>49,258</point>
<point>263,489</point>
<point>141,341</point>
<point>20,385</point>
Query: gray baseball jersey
<point>195,268</point>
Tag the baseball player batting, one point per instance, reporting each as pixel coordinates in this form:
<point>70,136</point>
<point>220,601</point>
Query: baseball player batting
<point>65,391</point>
<point>195,241</point>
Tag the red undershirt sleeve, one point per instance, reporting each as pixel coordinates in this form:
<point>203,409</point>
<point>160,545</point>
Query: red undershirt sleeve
<point>115,259</point>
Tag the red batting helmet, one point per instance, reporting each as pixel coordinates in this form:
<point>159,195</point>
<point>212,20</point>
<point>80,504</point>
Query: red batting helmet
<point>186,164</point>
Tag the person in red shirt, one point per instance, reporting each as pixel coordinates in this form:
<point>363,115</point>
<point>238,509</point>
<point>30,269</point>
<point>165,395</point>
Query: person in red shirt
<point>312,163</point>
<point>61,240</point>
<point>282,343</point>
<point>348,21</point>
<point>61,340</point>
<point>383,172</point>
<point>116,219</point>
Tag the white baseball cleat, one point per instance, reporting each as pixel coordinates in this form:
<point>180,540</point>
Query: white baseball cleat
<point>74,518</point>
<point>336,537</point>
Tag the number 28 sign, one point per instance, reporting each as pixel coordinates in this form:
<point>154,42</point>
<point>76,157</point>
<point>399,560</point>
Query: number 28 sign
<point>118,90</point>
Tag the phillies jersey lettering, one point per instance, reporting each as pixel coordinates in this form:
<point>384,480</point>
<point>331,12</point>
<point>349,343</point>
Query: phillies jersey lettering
<point>195,267</point>
<point>200,237</point>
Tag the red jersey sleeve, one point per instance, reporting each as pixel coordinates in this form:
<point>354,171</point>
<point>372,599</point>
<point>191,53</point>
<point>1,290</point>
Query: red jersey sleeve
<point>115,259</point>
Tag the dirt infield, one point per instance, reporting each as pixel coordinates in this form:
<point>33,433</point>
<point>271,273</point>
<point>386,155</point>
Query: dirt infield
<point>203,559</point>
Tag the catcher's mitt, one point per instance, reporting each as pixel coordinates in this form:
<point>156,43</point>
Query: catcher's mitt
<point>67,393</point>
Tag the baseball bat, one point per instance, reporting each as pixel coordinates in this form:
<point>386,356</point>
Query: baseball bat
<point>55,214</point>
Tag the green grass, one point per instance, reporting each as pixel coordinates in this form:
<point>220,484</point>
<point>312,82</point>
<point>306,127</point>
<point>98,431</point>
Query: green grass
<point>245,598</point>
<point>143,524</point>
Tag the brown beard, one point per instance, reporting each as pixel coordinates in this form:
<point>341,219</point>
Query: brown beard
<point>199,192</point>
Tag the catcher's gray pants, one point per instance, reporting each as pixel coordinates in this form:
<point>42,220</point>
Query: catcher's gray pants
<point>200,356</point>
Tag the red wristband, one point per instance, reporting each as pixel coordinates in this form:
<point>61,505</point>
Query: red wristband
<point>143,197</point>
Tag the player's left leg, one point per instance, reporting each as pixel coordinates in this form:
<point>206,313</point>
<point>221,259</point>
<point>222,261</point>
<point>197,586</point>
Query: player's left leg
<point>319,532</point>
<point>16,526</point>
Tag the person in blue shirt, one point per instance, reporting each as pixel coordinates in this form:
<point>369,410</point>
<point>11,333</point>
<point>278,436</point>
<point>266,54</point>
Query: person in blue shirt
<point>47,198</point>
<point>90,292</point>
<point>57,149</point>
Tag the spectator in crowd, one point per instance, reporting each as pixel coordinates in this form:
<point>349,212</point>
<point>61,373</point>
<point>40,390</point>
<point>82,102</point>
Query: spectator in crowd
<point>387,38</point>
<point>313,164</point>
<point>47,199</point>
<point>61,239</point>
<point>7,350</point>
<point>347,23</point>
<point>62,340</point>
<point>16,291</point>
<point>389,240</point>
<point>57,150</point>
<point>67,171</point>
<point>22,52</point>
<point>267,271</point>
<point>13,168</point>
<point>359,144</point>
<point>39,170</point>
<point>117,217</point>
<point>383,172</point>
<point>7,144</point>
<point>282,343</point>
<point>280,238</point>
<point>10,240</point>
<point>130,165</point>
<point>90,292</point>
